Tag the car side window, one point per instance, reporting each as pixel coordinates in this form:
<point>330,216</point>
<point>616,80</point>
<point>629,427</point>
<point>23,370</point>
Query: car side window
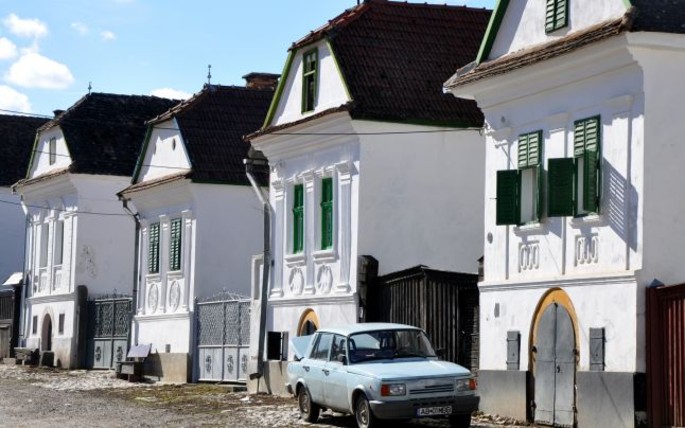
<point>338,348</point>
<point>322,347</point>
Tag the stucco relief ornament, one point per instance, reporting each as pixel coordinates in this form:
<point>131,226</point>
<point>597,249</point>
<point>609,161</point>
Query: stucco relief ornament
<point>153,297</point>
<point>174,295</point>
<point>296,281</point>
<point>324,279</point>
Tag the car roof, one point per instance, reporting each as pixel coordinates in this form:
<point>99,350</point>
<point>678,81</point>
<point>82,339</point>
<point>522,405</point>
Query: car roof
<point>349,329</point>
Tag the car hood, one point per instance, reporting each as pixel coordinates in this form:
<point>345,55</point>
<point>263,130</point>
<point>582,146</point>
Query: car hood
<point>397,369</point>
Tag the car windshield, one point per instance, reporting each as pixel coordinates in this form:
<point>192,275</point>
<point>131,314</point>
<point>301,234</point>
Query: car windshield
<point>388,344</point>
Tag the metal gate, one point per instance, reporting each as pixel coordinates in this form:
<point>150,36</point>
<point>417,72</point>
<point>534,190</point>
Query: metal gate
<point>109,321</point>
<point>666,355</point>
<point>555,368</point>
<point>223,339</point>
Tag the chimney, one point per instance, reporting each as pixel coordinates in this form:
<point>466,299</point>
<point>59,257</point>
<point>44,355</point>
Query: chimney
<point>57,112</point>
<point>261,80</point>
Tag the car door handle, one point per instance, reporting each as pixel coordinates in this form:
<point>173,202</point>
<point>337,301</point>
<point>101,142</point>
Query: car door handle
<point>326,372</point>
<point>306,368</point>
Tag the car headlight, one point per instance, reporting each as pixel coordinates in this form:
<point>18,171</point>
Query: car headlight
<point>467,384</point>
<point>389,389</point>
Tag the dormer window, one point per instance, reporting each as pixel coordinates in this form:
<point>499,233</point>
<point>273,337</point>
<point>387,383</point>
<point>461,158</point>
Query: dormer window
<point>52,150</point>
<point>310,68</point>
<point>557,15</point>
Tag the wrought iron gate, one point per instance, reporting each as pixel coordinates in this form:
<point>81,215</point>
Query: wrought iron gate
<point>223,339</point>
<point>555,368</point>
<point>109,321</point>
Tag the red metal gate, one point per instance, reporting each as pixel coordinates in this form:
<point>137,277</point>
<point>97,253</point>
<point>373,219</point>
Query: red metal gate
<point>666,355</point>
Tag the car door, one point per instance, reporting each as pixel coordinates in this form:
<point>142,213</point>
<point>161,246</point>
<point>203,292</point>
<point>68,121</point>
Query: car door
<point>335,376</point>
<point>315,365</point>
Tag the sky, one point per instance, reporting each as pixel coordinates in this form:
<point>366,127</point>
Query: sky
<point>52,50</point>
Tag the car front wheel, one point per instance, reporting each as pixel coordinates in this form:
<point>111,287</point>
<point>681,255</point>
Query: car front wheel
<point>460,421</point>
<point>309,411</point>
<point>363,414</point>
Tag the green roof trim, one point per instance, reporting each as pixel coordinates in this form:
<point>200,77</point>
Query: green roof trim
<point>279,89</point>
<point>141,156</point>
<point>340,73</point>
<point>493,28</point>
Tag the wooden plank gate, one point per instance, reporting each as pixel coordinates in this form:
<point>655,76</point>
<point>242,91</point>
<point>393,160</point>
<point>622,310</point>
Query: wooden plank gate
<point>444,304</point>
<point>666,356</point>
<point>109,321</point>
<point>223,339</point>
<point>9,320</point>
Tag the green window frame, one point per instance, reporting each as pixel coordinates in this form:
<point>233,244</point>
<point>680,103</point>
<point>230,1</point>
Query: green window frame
<point>326,213</point>
<point>298,218</point>
<point>519,192</point>
<point>310,72</point>
<point>153,249</point>
<point>52,150</point>
<point>175,245</point>
<point>556,15</point>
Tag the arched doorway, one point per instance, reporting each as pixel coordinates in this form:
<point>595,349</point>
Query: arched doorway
<point>554,354</point>
<point>46,334</point>
<point>308,324</point>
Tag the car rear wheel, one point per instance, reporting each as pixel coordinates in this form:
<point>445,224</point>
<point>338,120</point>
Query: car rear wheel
<point>309,411</point>
<point>363,413</point>
<point>460,421</point>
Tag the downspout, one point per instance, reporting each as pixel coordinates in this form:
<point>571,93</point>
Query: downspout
<point>249,171</point>
<point>136,261</point>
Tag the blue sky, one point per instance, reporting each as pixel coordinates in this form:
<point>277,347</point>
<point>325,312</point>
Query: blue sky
<point>51,49</point>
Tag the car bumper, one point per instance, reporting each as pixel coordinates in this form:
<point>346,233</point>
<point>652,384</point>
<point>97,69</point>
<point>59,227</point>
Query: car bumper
<point>408,409</point>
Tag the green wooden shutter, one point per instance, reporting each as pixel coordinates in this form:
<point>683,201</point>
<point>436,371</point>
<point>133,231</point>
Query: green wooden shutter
<point>591,180</point>
<point>153,249</point>
<point>556,15</point>
<point>550,15</point>
<point>310,68</point>
<point>523,150</point>
<point>508,208</point>
<point>175,245</point>
<point>298,218</point>
<point>326,213</point>
<point>539,192</point>
<point>560,174</point>
<point>529,149</point>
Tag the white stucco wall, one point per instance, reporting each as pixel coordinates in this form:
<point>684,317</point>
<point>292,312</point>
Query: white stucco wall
<point>332,91</point>
<point>421,197</point>
<point>11,234</point>
<point>524,22</point>
<point>166,153</point>
<point>41,158</point>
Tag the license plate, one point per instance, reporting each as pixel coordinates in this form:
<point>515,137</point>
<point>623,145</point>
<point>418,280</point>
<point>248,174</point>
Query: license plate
<point>434,411</point>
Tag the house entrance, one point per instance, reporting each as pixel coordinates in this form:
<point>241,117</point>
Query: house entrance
<point>109,321</point>
<point>554,358</point>
<point>46,334</point>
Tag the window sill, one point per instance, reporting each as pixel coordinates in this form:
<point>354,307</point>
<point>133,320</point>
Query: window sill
<point>529,228</point>
<point>327,255</point>
<point>153,276</point>
<point>296,259</point>
<point>587,220</point>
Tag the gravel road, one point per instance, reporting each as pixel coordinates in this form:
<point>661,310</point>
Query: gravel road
<point>36,398</point>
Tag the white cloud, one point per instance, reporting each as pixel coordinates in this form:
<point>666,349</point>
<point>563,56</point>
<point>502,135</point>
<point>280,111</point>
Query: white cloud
<point>108,35</point>
<point>80,28</point>
<point>8,50</point>
<point>170,93</point>
<point>13,100</point>
<point>36,71</point>
<point>33,28</point>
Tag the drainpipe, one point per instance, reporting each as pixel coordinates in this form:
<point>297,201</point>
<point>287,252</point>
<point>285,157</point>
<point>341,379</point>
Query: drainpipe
<point>136,261</point>
<point>250,164</point>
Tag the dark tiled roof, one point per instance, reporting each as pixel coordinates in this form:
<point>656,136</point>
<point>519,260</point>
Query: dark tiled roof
<point>213,123</point>
<point>104,132</point>
<point>665,16</point>
<point>395,56</point>
<point>17,134</point>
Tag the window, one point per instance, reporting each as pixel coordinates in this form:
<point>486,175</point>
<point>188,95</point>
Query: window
<point>310,68</point>
<point>44,237</point>
<point>58,255</point>
<point>60,325</point>
<point>52,149</point>
<point>153,249</point>
<point>322,347</point>
<point>519,195</point>
<point>574,182</point>
<point>556,16</point>
<point>338,350</point>
<point>34,325</point>
<point>175,245</point>
<point>326,213</point>
<point>298,218</point>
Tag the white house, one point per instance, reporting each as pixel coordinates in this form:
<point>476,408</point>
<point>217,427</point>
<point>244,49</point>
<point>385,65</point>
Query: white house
<point>200,222</point>
<point>582,203</point>
<point>78,234</point>
<point>368,156</point>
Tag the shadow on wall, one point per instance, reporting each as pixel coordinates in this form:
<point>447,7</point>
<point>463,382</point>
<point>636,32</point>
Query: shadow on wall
<point>621,204</point>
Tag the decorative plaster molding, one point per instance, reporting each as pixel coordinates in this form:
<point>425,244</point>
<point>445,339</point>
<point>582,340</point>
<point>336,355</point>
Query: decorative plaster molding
<point>620,101</point>
<point>292,260</point>
<point>577,281</point>
<point>322,256</point>
<point>52,298</point>
<point>557,121</point>
<point>529,256</point>
<point>306,301</point>
<point>161,317</point>
<point>586,249</point>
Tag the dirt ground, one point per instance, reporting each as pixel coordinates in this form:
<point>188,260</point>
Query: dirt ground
<point>35,398</point>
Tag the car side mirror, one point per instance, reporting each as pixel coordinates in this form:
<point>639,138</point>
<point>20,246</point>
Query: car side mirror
<point>342,359</point>
<point>296,358</point>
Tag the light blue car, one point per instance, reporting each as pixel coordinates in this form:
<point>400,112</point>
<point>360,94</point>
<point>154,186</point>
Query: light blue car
<point>378,371</point>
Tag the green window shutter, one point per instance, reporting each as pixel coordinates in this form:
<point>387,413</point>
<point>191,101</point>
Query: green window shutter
<point>556,15</point>
<point>591,180</point>
<point>310,68</point>
<point>508,209</point>
<point>153,249</point>
<point>326,213</point>
<point>529,149</point>
<point>539,192</point>
<point>560,174</point>
<point>175,245</point>
<point>549,15</point>
<point>298,218</point>
<point>523,150</point>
